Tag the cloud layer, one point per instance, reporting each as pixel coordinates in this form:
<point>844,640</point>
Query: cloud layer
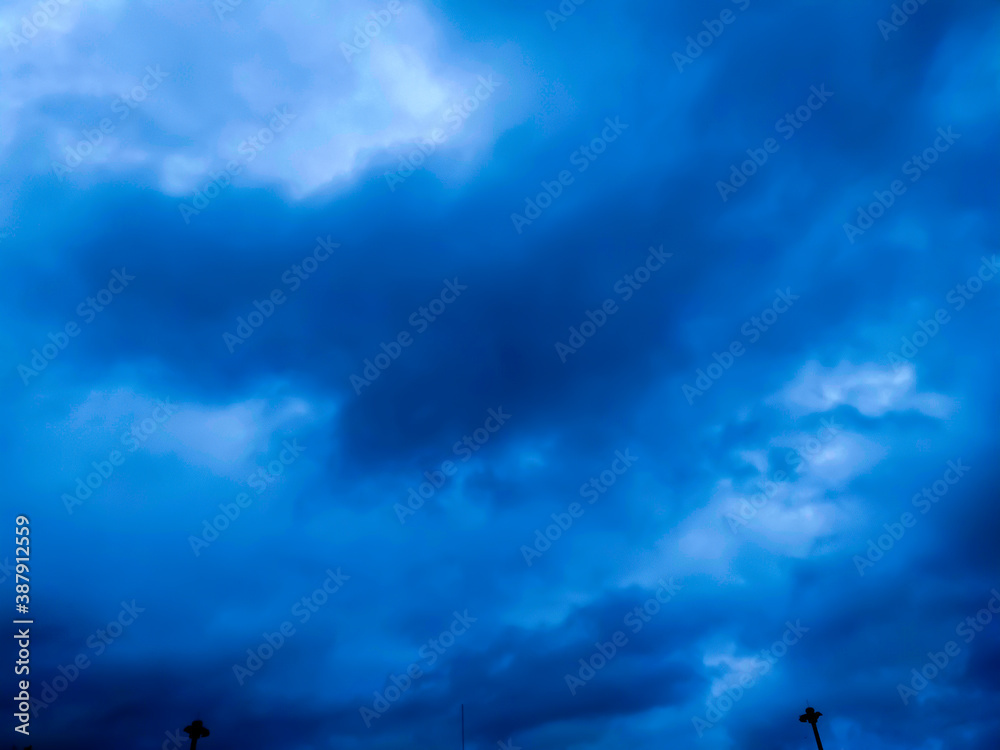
<point>581,365</point>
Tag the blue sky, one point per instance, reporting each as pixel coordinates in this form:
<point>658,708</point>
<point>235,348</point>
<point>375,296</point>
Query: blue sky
<point>622,372</point>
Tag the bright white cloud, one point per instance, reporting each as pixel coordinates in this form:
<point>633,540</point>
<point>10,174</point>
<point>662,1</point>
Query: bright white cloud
<point>347,112</point>
<point>733,668</point>
<point>225,438</point>
<point>872,389</point>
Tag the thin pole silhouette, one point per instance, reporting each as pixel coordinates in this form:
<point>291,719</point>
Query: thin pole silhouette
<point>812,716</point>
<point>196,731</point>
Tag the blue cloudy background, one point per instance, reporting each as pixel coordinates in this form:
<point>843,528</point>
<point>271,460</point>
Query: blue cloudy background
<point>782,386</point>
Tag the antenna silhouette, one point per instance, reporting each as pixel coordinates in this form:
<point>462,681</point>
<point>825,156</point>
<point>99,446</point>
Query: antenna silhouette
<point>812,716</point>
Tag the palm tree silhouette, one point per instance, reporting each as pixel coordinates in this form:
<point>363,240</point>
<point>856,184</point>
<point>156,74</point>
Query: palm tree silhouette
<point>196,731</point>
<point>812,716</point>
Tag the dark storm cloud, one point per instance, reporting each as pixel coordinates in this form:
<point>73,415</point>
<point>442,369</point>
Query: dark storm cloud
<point>524,288</point>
